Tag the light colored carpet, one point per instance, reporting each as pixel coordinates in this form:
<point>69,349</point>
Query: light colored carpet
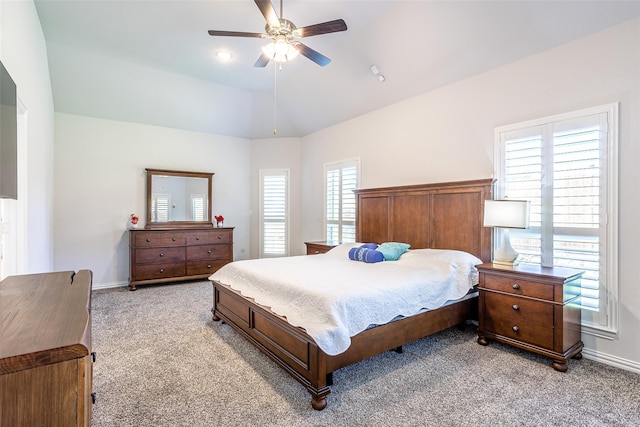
<point>162,361</point>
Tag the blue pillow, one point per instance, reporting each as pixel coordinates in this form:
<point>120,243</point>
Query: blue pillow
<point>369,245</point>
<point>365,255</point>
<point>393,250</point>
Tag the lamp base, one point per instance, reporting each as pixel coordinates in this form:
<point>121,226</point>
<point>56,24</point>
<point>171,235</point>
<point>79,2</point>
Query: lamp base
<point>506,263</point>
<point>505,254</point>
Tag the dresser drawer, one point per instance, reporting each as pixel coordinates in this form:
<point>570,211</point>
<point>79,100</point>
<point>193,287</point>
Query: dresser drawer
<point>159,255</point>
<point>208,252</point>
<point>517,310</point>
<point>203,267</point>
<point>159,271</point>
<point>208,237</point>
<point>147,239</point>
<point>517,287</point>
<point>520,330</point>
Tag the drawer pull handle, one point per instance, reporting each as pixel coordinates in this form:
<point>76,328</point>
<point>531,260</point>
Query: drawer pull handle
<point>148,240</point>
<point>515,329</point>
<point>209,266</point>
<point>219,237</point>
<point>162,270</point>
<point>161,254</point>
<point>516,307</point>
<point>197,237</point>
<point>209,251</point>
<point>515,286</point>
<point>173,239</point>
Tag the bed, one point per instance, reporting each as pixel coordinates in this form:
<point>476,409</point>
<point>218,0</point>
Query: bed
<point>435,216</point>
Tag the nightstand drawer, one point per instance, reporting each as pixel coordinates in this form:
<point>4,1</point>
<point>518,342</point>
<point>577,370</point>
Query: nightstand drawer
<point>518,310</point>
<point>314,248</point>
<point>521,330</point>
<point>518,287</point>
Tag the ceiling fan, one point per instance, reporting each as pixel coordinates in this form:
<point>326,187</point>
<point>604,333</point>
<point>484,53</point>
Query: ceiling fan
<point>283,33</point>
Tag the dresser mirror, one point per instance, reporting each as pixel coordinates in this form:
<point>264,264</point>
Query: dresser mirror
<point>178,199</point>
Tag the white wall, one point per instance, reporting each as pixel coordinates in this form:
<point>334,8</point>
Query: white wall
<point>23,53</point>
<point>278,153</point>
<point>100,181</point>
<point>447,135</point>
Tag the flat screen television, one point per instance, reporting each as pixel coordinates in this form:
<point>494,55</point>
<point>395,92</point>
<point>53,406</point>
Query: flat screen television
<point>8,136</point>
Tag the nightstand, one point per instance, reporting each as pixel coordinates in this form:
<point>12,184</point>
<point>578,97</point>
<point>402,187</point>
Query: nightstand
<point>314,248</point>
<point>530,307</point>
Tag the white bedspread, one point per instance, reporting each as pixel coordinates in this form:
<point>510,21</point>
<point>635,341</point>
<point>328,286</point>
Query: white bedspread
<point>334,298</point>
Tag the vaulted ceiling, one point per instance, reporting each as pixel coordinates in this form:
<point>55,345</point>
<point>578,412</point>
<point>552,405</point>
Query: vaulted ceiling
<point>153,62</point>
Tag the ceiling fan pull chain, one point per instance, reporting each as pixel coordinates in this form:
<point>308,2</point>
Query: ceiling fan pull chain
<point>275,96</point>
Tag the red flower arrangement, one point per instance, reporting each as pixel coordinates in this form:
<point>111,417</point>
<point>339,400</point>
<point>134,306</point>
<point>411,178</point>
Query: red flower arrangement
<point>219,220</point>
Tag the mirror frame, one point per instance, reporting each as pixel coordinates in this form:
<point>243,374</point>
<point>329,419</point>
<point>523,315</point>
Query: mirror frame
<point>178,224</point>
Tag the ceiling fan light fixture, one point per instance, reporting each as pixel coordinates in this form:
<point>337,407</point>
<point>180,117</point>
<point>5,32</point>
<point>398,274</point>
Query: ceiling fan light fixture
<point>280,50</point>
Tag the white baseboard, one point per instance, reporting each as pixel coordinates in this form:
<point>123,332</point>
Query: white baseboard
<point>608,359</point>
<point>97,286</point>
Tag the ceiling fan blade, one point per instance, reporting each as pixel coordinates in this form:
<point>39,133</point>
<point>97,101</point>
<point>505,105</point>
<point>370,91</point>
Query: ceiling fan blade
<point>268,12</point>
<point>262,61</point>
<point>235,34</point>
<point>313,55</point>
<point>324,28</point>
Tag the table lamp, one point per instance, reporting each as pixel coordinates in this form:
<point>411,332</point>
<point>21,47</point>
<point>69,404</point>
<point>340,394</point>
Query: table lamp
<point>506,214</point>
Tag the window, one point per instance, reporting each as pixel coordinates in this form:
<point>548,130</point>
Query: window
<point>197,207</point>
<point>566,166</point>
<point>341,179</point>
<point>160,207</point>
<point>274,212</point>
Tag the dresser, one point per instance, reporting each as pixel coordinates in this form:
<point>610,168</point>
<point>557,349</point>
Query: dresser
<point>174,255</point>
<point>45,352</point>
<point>314,248</point>
<point>533,308</point>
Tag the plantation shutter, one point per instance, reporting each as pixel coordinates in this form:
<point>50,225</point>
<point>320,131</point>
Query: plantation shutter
<point>197,207</point>
<point>561,166</point>
<point>160,207</point>
<point>341,180</point>
<point>274,212</point>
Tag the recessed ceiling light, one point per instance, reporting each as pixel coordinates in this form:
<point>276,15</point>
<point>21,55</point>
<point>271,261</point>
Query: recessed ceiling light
<point>224,55</point>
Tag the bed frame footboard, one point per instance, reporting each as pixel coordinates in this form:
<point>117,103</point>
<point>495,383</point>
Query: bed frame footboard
<point>298,354</point>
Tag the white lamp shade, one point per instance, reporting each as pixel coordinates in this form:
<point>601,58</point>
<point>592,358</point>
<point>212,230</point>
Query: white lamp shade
<point>506,213</point>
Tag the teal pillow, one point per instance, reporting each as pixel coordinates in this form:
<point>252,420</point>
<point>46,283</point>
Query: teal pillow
<point>393,250</point>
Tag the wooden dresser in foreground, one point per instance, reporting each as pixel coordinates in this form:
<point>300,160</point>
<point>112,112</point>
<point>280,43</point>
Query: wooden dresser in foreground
<point>45,349</point>
<point>530,307</point>
<point>173,255</point>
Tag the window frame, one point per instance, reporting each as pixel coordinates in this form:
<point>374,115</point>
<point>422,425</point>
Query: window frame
<point>329,166</point>
<point>274,172</point>
<point>602,323</point>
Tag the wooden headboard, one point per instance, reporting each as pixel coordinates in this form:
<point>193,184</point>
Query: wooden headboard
<point>438,216</point>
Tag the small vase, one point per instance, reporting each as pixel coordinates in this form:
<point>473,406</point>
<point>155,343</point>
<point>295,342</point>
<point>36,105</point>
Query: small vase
<point>220,224</point>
